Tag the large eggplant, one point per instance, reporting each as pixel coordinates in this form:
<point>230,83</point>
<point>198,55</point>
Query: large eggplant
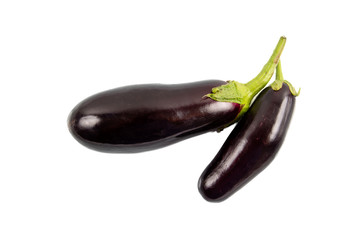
<point>252,144</point>
<point>145,117</point>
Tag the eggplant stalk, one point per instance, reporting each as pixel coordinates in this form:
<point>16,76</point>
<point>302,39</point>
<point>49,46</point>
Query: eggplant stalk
<point>242,93</point>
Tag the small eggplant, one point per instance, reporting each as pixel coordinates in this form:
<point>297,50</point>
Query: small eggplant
<point>252,144</point>
<point>145,117</point>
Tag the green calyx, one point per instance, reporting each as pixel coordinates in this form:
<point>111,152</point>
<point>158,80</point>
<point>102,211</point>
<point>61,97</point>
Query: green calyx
<point>243,94</point>
<point>278,83</point>
<point>231,92</point>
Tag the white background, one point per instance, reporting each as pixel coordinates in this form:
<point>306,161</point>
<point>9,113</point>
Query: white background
<point>54,54</point>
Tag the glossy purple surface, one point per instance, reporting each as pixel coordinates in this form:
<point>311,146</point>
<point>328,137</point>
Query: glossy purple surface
<point>251,146</point>
<point>145,117</point>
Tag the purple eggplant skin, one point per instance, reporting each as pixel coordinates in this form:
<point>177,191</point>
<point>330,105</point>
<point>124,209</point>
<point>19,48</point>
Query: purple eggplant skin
<point>251,146</point>
<point>145,117</point>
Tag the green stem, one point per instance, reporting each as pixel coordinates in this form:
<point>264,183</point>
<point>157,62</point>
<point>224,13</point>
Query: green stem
<point>260,81</point>
<point>279,81</point>
<point>243,94</point>
<point>279,74</point>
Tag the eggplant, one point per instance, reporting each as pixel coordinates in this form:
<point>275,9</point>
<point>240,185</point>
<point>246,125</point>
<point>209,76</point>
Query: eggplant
<point>145,117</point>
<point>252,144</point>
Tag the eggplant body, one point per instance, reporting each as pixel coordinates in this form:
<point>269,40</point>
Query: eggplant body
<point>146,117</point>
<point>251,146</point>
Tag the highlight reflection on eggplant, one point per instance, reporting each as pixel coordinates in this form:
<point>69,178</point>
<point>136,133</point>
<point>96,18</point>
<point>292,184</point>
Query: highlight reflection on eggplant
<point>146,117</point>
<point>252,144</point>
